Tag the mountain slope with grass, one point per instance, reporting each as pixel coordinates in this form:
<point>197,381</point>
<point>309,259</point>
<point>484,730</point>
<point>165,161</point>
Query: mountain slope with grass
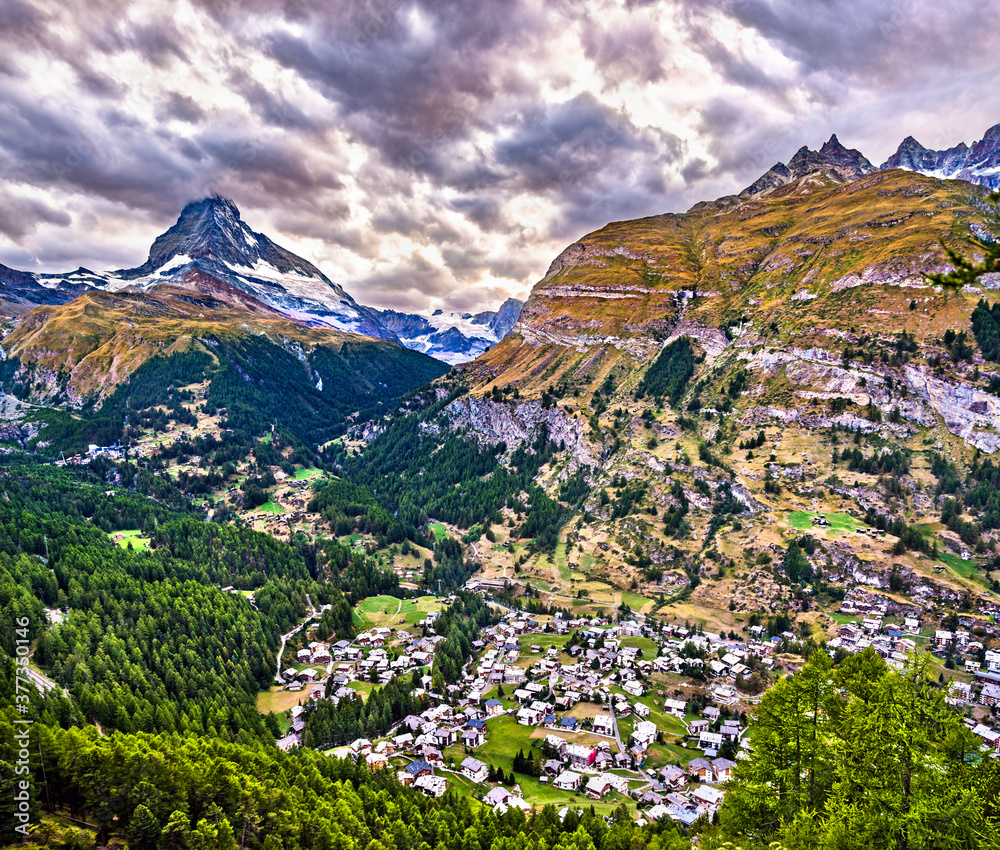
<point>263,368</point>
<point>702,393</point>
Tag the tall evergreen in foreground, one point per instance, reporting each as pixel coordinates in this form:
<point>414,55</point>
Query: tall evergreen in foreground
<point>861,756</point>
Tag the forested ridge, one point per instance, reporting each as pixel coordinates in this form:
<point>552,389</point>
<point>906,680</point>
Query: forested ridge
<point>255,381</point>
<point>149,642</point>
<point>177,792</point>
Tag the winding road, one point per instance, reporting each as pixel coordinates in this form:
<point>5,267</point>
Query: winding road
<point>284,638</point>
<point>43,683</point>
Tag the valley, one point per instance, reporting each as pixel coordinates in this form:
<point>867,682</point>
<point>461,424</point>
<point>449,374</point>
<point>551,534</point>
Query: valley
<point>726,475</point>
<point>508,425</point>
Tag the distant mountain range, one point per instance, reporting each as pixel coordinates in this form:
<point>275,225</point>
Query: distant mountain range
<point>977,164</point>
<point>211,238</point>
<point>453,337</point>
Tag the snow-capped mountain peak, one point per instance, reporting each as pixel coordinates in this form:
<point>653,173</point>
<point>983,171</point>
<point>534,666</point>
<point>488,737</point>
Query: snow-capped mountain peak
<point>210,240</point>
<point>210,236</point>
<point>451,336</point>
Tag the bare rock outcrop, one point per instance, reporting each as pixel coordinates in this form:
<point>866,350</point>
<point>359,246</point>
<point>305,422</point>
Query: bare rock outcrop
<point>492,422</point>
<point>968,412</point>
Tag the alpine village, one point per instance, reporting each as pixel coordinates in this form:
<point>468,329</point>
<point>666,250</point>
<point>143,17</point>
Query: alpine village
<point>696,547</point>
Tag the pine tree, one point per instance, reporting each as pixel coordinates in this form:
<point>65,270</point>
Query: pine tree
<point>861,756</point>
<point>143,830</point>
<point>966,272</point>
<point>177,832</point>
<point>796,565</point>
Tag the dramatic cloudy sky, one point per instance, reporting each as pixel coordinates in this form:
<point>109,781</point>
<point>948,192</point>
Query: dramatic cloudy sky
<point>437,153</point>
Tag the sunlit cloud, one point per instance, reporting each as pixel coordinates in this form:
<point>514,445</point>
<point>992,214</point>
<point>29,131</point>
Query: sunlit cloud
<point>436,153</point>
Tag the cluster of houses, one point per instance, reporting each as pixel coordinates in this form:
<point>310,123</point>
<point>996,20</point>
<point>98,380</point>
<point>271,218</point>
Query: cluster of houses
<point>570,765</point>
<point>670,800</point>
<point>539,685</point>
<point>318,653</point>
<point>363,659</point>
<point>422,737</point>
<point>894,641</point>
<point>540,688</point>
<point>548,688</point>
<point>925,594</point>
<point>713,733</point>
<point>601,657</point>
<point>581,767</point>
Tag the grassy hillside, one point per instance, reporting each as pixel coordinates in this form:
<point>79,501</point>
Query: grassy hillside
<point>108,353</point>
<point>815,373</point>
<point>815,261</point>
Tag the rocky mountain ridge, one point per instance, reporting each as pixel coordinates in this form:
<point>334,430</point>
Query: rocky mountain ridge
<point>770,366</point>
<point>211,237</point>
<point>817,257</point>
<point>833,157</point>
<point>979,163</point>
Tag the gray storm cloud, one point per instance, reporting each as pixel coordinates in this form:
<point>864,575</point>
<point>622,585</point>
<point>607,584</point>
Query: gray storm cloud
<point>428,153</point>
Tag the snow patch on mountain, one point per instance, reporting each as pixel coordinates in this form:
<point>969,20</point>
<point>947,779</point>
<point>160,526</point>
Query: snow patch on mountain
<point>979,163</point>
<point>450,336</point>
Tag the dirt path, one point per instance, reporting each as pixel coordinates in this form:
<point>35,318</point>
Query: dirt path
<point>399,607</point>
<point>386,619</point>
<point>284,638</point>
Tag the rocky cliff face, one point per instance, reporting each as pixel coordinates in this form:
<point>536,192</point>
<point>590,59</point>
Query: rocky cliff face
<point>503,320</point>
<point>969,412</point>
<point>912,396</point>
<point>513,424</point>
